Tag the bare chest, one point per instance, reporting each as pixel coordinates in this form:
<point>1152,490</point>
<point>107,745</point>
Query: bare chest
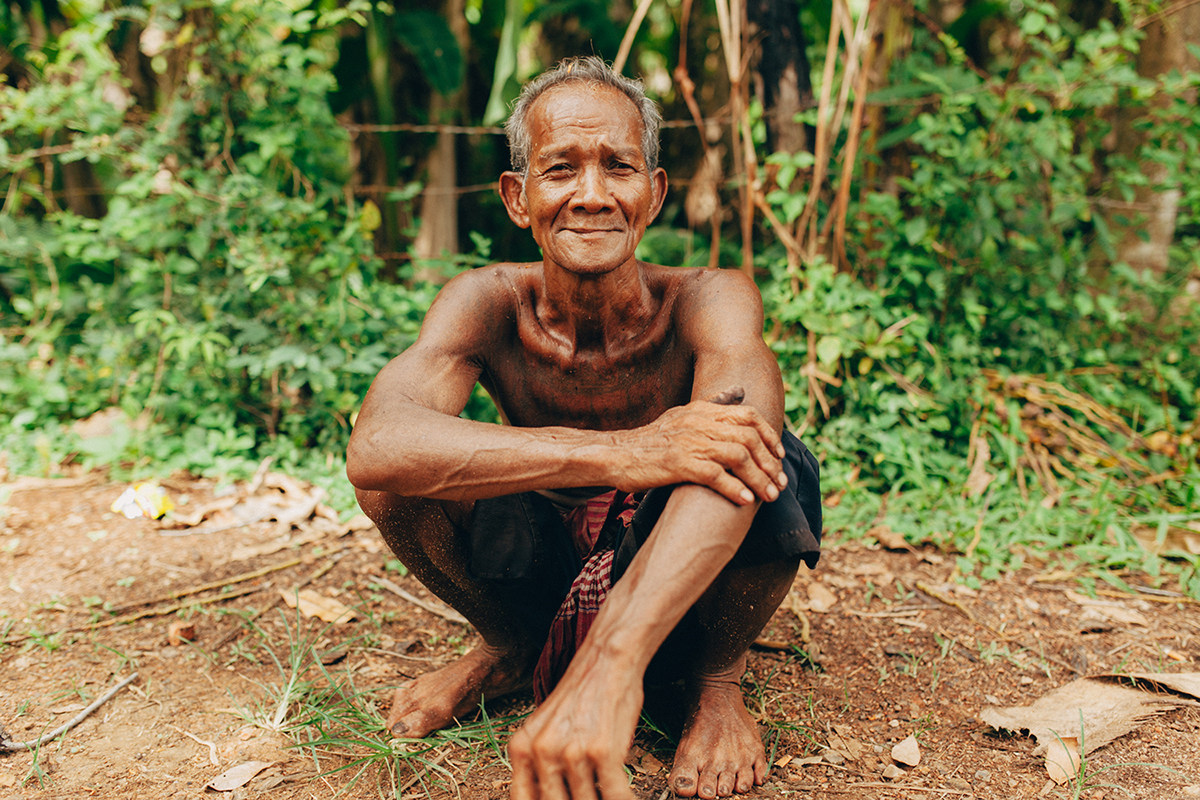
<point>536,386</point>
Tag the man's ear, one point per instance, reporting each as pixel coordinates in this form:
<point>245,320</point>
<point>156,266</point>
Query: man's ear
<point>658,179</point>
<point>512,192</point>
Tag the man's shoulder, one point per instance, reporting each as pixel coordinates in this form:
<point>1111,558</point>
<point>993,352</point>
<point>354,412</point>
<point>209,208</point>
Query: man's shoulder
<point>702,285</point>
<point>492,287</point>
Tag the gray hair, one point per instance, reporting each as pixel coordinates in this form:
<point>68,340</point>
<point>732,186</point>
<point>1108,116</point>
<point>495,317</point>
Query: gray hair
<point>586,69</point>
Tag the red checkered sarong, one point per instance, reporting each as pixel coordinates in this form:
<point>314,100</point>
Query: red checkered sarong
<point>587,526</point>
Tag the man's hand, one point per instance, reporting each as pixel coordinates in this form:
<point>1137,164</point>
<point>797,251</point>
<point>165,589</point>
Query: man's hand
<point>574,745</point>
<point>718,443</point>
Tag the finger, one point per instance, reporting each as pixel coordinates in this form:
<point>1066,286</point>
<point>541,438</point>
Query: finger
<point>613,783</point>
<point>750,417</point>
<point>712,475</point>
<point>523,786</point>
<point>581,778</point>
<point>742,463</point>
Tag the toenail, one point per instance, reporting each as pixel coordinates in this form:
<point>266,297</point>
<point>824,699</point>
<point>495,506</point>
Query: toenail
<point>399,729</point>
<point>683,783</point>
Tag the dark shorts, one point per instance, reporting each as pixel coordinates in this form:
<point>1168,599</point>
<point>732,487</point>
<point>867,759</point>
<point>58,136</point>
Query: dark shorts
<point>521,538</point>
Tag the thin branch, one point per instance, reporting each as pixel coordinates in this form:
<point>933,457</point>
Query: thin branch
<point>8,744</point>
<point>630,32</point>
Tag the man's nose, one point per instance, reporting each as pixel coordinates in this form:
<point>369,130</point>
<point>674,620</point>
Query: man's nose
<point>592,192</point>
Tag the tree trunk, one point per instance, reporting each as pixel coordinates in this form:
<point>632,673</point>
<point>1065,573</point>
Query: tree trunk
<point>783,67</point>
<point>1146,243</point>
<point>439,204</point>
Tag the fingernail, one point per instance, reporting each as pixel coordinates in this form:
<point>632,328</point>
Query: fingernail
<point>772,493</point>
<point>747,496</point>
<point>779,451</point>
<point>782,481</point>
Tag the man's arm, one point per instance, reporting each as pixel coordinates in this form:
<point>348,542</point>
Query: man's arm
<point>408,439</point>
<point>580,736</point>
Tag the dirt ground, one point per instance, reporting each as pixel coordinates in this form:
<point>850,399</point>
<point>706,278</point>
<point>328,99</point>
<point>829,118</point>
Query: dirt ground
<point>894,650</point>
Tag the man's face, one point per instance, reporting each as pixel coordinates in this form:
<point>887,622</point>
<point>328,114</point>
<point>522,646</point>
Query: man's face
<point>588,195</point>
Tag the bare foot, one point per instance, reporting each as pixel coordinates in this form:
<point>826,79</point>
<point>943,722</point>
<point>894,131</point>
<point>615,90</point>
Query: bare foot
<point>434,700</point>
<point>720,751</point>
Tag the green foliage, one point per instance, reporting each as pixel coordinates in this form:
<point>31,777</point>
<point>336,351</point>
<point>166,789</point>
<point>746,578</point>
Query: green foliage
<point>229,297</point>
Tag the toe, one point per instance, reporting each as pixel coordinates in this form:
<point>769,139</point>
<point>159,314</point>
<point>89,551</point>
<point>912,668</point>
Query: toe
<point>708,784</point>
<point>726,781</point>
<point>745,780</point>
<point>684,780</point>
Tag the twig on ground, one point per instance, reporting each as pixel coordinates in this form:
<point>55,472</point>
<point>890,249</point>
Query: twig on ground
<point>320,571</point>
<point>204,587</point>
<point>433,608</point>
<point>153,612</point>
<point>8,744</point>
<point>212,748</point>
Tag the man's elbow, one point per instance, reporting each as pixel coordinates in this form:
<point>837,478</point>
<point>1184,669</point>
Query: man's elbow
<point>364,467</point>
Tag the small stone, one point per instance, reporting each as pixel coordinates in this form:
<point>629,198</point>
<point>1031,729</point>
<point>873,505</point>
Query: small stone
<point>956,782</point>
<point>892,772</point>
<point>894,723</point>
<point>1025,680</point>
<point>907,752</point>
<point>991,698</point>
<point>830,756</point>
<point>1192,791</point>
<point>878,748</point>
<point>983,776</point>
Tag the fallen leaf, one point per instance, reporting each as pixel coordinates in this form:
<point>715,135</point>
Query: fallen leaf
<point>359,522</point>
<point>783,761</point>
<point>892,772</point>
<point>979,478</point>
<point>1106,711</point>
<point>907,752</point>
<point>1117,612</point>
<point>316,605</point>
<point>888,537</point>
<point>809,761</point>
<point>180,631</point>
<point>237,776</point>
<point>1062,759</point>
<point>1183,682</point>
<point>820,599</point>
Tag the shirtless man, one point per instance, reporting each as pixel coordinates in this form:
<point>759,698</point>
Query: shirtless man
<point>608,373</point>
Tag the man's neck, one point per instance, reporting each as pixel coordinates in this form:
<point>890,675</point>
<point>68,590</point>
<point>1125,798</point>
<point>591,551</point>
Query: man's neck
<point>595,311</point>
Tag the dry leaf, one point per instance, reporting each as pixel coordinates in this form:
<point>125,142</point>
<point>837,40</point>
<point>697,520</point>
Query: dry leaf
<point>979,478</point>
<point>820,599</point>
<point>318,605</point>
<point>1117,612</point>
<point>907,752</point>
<point>180,631</point>
<point>888,537</point>
<point>1106,710</point>
<point>783,761</point>
<point>359,522</point>
<point>1177,539</point>
<point>237,776</point>
<point>1183,682</point>
<point>1062,759</point>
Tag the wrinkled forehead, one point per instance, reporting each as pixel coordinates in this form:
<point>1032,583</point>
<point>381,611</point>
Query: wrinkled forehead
<point>597,106</point>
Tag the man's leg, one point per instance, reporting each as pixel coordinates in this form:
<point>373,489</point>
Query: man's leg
<point>720,751</point>
<point>429,538</point>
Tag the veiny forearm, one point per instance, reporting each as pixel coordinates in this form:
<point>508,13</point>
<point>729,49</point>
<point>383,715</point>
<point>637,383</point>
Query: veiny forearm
<point>419,452</point>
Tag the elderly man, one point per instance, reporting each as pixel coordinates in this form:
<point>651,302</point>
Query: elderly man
<point>639,503</point>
